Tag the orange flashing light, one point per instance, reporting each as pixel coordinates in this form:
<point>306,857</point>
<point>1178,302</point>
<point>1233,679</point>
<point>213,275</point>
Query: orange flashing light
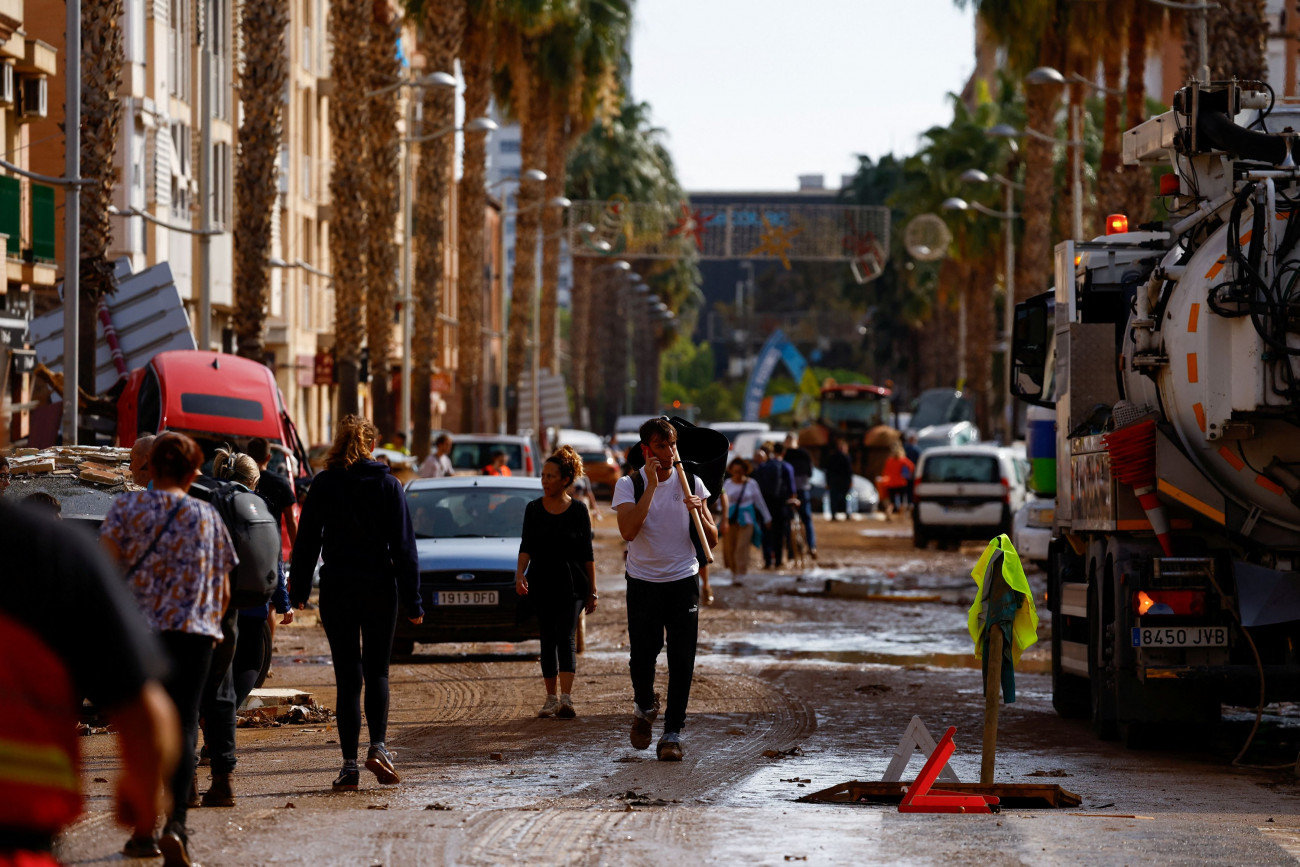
<point>1116,223</point>
<point>1144,602</point>
<point>1170,185</point>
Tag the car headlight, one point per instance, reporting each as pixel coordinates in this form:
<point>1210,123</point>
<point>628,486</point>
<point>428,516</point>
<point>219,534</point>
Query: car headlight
<point>1044,514</point>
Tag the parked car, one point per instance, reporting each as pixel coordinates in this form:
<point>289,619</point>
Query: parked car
<point>961,433</point>
<point>467,531</point>
<point>470,453</point>
<point>1031,529</point>
<point>966,492</point>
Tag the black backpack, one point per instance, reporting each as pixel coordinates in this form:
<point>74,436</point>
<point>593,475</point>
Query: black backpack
<point>256,535</point>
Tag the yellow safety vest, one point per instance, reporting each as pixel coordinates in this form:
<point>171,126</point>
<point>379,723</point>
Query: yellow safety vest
<point>1024,629</point>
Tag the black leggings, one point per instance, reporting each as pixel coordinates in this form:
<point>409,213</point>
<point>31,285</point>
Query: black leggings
<point>189,656</point>
<point>359,621</point>
<point>558,622</point>
<point>249,654</point>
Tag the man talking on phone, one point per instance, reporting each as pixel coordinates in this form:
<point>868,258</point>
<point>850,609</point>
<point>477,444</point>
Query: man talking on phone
<point>663,594</point>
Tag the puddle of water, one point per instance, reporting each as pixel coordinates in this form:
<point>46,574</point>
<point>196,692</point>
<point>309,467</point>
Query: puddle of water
<point>892,649</point>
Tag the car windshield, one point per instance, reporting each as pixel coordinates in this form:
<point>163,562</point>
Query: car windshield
<point>960,468</point>
<point>476,456</point>
<point>592,457</point>
<point>468,512</point>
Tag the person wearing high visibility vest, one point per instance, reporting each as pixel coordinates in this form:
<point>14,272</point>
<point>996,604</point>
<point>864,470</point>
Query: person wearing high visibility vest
<point>69,629</point>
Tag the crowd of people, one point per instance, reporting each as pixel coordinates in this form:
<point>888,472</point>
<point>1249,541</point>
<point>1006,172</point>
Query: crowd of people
<point>188,646</point>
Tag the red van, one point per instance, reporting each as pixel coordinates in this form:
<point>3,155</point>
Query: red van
<point>215,398</point>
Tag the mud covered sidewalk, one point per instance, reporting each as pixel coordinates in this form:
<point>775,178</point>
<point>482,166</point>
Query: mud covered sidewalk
<point>794,692</point>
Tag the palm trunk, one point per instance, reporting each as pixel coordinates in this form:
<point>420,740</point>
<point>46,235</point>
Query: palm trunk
<point>101,113</point>
<point>347,179</point>
<point>443,28</point>
<point>476,65</point>
<point>261,89</point>
<point>1135,193</point>
<point>981,325</point>
<point>552,223</point>
<point>532,132</point>
<point>1035,255</point>
<point>381,206</point>
<point>1238,33</point>
<point>1109,178</point>
<point>614,352</point>
<point>580,338</point>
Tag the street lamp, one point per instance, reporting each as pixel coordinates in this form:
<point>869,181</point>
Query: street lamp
<point>975,176</point>
<point>478,124</point>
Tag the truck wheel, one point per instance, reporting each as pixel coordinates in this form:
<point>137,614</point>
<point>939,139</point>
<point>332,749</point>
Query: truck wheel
<point>580,638</point>
<point>403,648</point>
<point>1102,683</point>
<point>1070,693</point>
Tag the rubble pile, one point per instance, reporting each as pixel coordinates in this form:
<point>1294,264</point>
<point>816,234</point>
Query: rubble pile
<point>105,466</point>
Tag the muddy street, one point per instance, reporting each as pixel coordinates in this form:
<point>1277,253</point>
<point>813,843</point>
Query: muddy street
<point>795,691</point>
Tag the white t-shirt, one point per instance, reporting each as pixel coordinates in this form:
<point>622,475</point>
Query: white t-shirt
<point>435,466</point>
<point>662,550</point>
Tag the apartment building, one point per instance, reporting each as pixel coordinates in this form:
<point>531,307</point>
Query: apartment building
<point>28,73</point>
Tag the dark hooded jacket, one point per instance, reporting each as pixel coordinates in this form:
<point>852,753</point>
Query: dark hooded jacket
<point>357,520</point>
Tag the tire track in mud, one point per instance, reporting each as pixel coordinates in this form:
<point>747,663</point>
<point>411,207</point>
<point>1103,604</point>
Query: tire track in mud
<point>733,719</point>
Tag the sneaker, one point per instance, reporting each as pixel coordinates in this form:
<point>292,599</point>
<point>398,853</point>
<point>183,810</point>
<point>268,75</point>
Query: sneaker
<point>348,780</point>
<point>380,761</point>
<point>548,710</point>
<point>670,747</point>
<point>220,793</point>
<point>566,710</point>
<point>141,846</point>
<point>641,723</point>
<point>175,847</point>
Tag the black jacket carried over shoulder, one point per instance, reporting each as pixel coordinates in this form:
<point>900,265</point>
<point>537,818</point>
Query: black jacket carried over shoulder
<point>357,520</point>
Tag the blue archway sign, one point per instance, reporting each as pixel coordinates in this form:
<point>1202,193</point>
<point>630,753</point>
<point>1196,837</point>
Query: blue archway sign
<point>776,350</point>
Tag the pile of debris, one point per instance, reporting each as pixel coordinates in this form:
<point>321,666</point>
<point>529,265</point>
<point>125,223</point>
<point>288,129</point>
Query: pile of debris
<point>272,708</point>
<point>104,466</point>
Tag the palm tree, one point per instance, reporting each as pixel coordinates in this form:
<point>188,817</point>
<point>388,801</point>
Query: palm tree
<point>261,91</point>
<point>1134,193</point>
<point>441,24</point>
<point>524,93</point>
<point>581,59</point>
<point>101,112</point>
<point>1238,35</point>
<point>347,185</point>
<point>1032,35</point>
<point>383,67</point>
<point>477,48</point>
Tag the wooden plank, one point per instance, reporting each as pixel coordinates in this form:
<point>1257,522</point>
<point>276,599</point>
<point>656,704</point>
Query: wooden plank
<point>1010,794</point>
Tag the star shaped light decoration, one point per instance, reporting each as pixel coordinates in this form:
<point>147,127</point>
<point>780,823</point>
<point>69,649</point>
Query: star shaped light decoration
<point>775,242</point>
<point>691,224</point>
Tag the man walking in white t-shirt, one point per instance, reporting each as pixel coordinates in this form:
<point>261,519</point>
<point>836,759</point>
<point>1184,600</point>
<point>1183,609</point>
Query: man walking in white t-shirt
<point>663,594</point>
<point>437,464</point>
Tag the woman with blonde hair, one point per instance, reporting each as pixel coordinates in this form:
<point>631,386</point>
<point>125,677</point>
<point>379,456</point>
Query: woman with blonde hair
<point>557,571</point>
<point>355,520</point>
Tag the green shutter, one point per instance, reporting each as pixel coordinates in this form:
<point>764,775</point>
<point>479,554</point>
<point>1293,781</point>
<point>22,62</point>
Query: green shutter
<point>11,208</point>
<point>42,222</point>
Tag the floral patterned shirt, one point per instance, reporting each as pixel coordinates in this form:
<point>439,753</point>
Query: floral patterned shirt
<point>182,584</point>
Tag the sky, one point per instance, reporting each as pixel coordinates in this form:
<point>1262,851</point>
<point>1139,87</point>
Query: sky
<point>754,93</point>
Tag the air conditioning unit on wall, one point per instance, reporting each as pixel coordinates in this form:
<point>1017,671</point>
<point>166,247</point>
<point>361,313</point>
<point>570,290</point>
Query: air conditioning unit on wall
<point>6,84</point>
<point>35,99</point>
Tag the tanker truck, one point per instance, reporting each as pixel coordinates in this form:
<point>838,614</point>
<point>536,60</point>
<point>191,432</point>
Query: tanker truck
<point>1172,358</point>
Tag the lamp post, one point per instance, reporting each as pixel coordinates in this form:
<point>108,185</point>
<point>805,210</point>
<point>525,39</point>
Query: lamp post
<point>478,124</point>
<point>1009,248</point>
